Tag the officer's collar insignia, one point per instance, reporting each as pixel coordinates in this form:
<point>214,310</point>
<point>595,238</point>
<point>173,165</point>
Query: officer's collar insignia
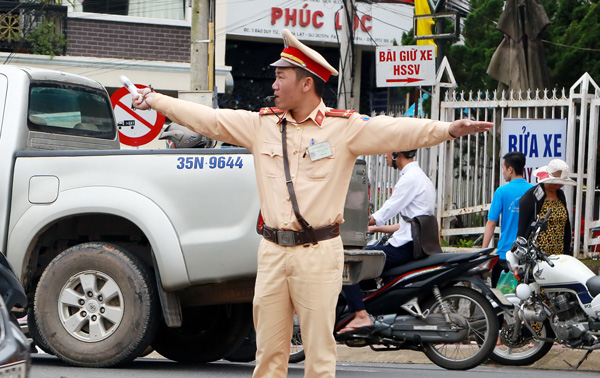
<point>319,118</point>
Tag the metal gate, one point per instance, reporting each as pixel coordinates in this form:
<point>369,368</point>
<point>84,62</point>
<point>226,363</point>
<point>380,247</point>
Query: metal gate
<point>466,171</point>
<point>591,224</point>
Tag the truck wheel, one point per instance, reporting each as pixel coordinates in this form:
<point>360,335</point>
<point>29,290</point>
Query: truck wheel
<point>207,333</point>
<point>246,352</point>
<point>34,332</point>
<point>96,305</point>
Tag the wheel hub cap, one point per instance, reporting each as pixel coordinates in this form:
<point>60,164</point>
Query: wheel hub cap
<point>90,306</point>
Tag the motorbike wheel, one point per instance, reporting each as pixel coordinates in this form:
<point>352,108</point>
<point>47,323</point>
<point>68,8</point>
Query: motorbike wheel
<point>297,349</point>
<point>483,330</point>
<point>526,350</point>
<point>207,333</point>
<point>96,305</point>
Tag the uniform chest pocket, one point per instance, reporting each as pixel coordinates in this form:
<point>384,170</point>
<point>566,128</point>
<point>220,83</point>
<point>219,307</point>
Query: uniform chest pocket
<point>271,159</point>
<point>320,169</point>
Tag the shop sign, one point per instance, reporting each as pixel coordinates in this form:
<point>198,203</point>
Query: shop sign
<point>375,23</point>
<point>540,140</point>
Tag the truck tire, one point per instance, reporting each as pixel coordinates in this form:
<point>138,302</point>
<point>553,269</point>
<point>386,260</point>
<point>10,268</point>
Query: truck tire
<point>96,305</point>
<point>246,352</point>
<point>207,334</point>
<point>34,332</point>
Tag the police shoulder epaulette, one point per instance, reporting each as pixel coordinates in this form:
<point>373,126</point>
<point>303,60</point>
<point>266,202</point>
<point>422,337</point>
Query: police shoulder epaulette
<point>339,113</point>
<point>268,111</point>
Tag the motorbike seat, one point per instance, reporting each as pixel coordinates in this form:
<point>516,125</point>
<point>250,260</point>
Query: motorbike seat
<point>437,259</point>
<point>593,285</point>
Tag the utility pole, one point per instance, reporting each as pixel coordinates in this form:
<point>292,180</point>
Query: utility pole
<point>440,28</point>
<point>201,54</point>
<point>199,49</point>
<point>345,81</point>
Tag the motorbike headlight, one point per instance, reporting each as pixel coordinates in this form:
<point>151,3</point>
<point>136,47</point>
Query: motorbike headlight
<point>520,253</point>
<point>523,291</point>
<point>521,242</point>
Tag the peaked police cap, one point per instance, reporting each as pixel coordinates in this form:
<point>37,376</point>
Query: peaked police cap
<point>297,54</point>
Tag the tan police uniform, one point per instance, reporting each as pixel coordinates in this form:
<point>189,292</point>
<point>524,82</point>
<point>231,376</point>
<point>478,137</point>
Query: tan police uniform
<point>304,279</point>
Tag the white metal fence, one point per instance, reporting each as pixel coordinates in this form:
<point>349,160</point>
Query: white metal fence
<point>466,171</point>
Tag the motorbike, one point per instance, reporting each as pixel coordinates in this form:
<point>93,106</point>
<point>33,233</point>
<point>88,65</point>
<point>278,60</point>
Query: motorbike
<point>439,305</point>
<point>557,300</point>
<point>15,359</point>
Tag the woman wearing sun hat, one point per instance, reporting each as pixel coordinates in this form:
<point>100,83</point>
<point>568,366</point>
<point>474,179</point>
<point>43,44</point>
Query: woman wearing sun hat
<point>548,195</point>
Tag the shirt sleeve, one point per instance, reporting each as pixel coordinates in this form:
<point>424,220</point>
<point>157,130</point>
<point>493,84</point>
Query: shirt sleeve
<point>402,195</point>
<point>227,125</point>
<point>496,206</point>
<point>381,134</point>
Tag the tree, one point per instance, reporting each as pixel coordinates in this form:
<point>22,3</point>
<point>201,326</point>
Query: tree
<point>470,57</point>
<point>46,40</point>
<point>571,43</point>
<point>573,40</point>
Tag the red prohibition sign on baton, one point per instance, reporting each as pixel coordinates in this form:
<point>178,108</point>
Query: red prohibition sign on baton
<point>141,125</point>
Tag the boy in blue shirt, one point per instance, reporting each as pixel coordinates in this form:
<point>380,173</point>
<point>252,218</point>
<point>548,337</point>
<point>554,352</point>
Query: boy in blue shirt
<point>505,204</point>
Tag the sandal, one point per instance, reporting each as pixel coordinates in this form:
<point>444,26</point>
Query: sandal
<point>355,332</point>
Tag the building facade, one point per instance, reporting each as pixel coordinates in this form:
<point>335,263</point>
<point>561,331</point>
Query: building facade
<point>150,42</point>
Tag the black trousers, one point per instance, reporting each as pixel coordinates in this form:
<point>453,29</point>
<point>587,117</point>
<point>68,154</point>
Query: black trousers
<point>395,256</point>
<point>502,265</point>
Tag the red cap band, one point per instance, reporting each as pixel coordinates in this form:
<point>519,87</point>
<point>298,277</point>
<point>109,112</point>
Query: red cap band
<point>297,56</point>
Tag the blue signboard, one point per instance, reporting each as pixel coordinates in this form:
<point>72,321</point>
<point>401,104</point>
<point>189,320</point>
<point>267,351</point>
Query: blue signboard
<point>540,140</point>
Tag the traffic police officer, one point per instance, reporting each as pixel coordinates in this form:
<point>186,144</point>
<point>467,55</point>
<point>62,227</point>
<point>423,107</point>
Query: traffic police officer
<point>300,263</point>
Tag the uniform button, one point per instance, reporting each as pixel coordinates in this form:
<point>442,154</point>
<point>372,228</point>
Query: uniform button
<point>286,223</point>
<point>293,176</point>
<point>295,152</point>
<point>297,128</point>
<point>288,199</point>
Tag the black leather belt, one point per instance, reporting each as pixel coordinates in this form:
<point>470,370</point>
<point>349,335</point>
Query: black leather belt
<point>291,238</point>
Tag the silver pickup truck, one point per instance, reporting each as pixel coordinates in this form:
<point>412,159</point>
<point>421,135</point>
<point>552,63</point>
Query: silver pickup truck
<point>121,251</point>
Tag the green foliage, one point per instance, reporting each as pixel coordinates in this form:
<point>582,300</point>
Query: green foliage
<point>49,2</point>
<point>573,36</point>
<point>464,243</point>
<point>571,43</point>
<point>407,38</point>
<point>44,40</point>
<point>470,57</point>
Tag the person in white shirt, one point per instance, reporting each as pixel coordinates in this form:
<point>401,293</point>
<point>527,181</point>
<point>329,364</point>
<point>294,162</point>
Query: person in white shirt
<point>413,195</point>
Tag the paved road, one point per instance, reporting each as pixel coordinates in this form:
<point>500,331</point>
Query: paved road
<point>46,366</point>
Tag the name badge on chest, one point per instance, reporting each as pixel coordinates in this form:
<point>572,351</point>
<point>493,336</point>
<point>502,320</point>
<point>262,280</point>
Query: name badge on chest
<point>319,151</point>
